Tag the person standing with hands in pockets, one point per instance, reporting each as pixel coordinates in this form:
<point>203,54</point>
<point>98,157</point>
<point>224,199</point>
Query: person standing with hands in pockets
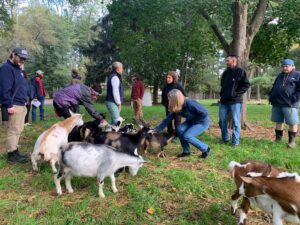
<point>13,96</point>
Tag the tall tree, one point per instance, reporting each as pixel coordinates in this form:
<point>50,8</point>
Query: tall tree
<point>237,34</point>
<point>157,36</point>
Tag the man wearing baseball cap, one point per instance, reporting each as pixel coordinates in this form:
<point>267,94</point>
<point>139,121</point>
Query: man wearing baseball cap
<point>284,97</point>
<point>39,94</point>
<point>13,93</point>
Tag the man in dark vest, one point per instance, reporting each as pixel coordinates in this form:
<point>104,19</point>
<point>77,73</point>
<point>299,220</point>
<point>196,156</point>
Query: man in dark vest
<point>115,92</point>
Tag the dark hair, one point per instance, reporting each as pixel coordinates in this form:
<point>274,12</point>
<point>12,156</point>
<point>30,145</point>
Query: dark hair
<point>173,74</point>
<point>74,71</point>
<point>136,76</point>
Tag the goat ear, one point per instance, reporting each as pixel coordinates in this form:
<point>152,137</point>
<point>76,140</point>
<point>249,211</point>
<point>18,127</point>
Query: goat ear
<point>71,112</point>
<point>247,180</point>
<point>267,170</point>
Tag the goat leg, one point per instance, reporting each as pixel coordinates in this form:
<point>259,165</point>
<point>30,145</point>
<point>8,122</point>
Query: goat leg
<point>161,154</point>
<point>245,206</point>
<point>57,184</point>
<point>234,201</point>
<point>101,184</point>
<point>113,183</point>
<point>68,183</point>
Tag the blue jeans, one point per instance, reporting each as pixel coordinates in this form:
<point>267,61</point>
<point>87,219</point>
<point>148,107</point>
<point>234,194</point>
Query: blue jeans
<point>187,133</point>
<point>114,111</point>
<point>41,107</point>
<point>235,110</point>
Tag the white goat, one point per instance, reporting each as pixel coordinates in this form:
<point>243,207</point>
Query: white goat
<point>48,143</point>
<point>90,160</point>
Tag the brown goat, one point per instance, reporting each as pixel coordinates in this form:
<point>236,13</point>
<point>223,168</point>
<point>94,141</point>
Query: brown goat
<point>242,169</point>
<point>279,196</point>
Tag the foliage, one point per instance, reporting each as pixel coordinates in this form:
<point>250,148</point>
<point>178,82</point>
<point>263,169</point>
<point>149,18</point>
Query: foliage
<point>6,21</point>
<point>280,30</point>
<point>155,36</point>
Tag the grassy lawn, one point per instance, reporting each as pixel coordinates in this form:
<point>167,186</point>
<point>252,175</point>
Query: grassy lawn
<point>165,191</point>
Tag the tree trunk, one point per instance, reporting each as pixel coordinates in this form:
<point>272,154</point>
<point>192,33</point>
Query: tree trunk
<point>258,97</point>
<point>155,90</point>
<point>242,36</point>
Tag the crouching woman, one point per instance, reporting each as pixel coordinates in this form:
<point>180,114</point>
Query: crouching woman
<point>197,121</point>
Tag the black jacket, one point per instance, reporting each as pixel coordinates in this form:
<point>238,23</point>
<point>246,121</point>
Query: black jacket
<point>286,90</point>
<point>234,83</point>
<point>166,89</point>
<point>13,85</point>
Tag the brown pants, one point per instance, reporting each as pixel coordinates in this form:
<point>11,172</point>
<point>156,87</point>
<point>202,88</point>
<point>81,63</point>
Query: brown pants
<point>14,127</point>
<point>138,111</point>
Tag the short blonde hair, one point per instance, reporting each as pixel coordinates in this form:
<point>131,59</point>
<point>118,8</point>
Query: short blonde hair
<point>176,100</point>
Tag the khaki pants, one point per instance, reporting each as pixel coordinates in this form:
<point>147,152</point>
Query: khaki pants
<point>138,111</point>
<point>14,127</point>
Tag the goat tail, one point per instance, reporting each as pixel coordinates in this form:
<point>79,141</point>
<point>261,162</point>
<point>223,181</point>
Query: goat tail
<point>61,149</point>
<point>232,166</point>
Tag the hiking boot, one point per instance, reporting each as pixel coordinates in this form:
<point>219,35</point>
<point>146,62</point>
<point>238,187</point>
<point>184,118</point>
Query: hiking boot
<point>225,142</point>
<point>292,137</point>
<point>278,135</point>
<point>206,153</point>
<point>183,154</point>
<point>15,156</point>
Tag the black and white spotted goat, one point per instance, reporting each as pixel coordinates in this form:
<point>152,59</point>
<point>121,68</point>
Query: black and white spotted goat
<point>90,160</point>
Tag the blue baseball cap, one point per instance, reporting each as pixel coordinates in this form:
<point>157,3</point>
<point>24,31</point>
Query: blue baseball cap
<point>22,52</point>
<point>288,62</point>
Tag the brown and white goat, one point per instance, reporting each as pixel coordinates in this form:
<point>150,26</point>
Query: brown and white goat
<point>158,140</point>
<point>279,196</point>
<point>242,169</point>
<point>48,143</point>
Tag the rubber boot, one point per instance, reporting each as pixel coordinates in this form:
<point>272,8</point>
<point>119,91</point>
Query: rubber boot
<point>292,137</point>
<point>278,134</point>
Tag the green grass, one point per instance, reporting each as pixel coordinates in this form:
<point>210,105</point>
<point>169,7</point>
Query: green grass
<point>187,191</point>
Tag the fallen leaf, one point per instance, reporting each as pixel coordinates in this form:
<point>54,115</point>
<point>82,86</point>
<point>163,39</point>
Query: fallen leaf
<point>151,210</point>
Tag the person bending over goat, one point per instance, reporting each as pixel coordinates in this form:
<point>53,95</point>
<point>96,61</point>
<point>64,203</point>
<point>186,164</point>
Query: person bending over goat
<point>197,121</point>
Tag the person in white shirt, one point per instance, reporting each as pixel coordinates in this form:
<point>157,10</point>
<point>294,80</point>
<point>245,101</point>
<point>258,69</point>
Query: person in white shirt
<point>115,92</point>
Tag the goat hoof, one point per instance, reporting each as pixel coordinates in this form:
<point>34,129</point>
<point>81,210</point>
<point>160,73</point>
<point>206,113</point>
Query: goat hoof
<point>71,191</point>
<point>101,195</point>
<point>115,190</point>
<point>233,211</point>
<point>161,155</point>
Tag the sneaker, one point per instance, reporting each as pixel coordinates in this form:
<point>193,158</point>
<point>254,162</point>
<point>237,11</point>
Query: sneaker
<point>206,153</point>
<point>15,156</point>
<point>224,142</point>
<point>183,154</point>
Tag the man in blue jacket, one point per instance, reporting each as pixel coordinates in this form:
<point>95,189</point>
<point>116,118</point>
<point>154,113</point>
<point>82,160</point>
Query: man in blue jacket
<point>234,83</point>
<point>284,97</point>
<point>13,93</point>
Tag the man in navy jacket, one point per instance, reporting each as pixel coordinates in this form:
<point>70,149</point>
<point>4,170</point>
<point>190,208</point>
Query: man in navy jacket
<point>13,93</point>
<point>284,97</point>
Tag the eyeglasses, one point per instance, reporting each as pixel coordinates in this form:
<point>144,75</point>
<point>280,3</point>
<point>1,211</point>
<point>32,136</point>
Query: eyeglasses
<point>23,59</point>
